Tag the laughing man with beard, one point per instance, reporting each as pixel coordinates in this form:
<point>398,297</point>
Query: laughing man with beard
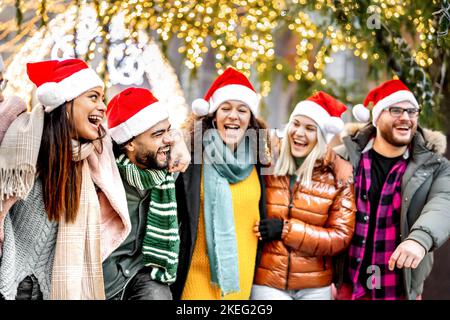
<point>145,264</point>
<point>402,189</point>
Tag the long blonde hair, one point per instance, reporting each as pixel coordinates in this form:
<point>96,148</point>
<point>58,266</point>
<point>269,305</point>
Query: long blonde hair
<point>286,163</point>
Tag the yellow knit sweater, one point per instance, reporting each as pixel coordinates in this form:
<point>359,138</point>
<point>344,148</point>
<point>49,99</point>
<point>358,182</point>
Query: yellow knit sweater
<point>245,196</point>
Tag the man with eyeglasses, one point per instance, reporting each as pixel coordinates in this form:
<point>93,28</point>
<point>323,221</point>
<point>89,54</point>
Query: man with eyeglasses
<point>402,188</point>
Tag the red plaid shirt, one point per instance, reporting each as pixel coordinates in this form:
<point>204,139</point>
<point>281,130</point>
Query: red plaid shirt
<point>387,233</point>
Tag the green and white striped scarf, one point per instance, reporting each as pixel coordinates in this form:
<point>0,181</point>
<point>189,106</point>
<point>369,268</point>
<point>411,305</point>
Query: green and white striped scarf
<point>161,243</point>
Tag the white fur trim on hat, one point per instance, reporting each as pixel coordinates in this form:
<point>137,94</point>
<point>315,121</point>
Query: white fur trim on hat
<point>200,107</point>
<point>139,123</point>
<point>361,113</point>
<point>399,96</point>
<point>234,92</point>
<point>54,94</point>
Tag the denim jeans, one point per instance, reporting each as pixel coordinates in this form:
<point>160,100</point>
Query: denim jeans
<point>142,287</point>
<point>269,293</point>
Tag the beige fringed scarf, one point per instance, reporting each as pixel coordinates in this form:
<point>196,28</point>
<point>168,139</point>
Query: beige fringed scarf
<point>81,246</point>
<point>18,154</point>
<point>77,268</point>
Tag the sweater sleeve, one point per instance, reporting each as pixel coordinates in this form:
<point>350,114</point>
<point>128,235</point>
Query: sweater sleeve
<point>10,109</point>
<point>5,205</point>
<point>333,237</point>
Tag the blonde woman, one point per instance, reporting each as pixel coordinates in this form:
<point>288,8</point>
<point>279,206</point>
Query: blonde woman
<point>310,207</point>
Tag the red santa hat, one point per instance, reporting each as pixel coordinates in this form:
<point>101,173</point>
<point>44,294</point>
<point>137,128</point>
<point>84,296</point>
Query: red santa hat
<point>382,97</point>
<point>2,65</point>
<point>61,81</point>
<point>132,112</point>
<point>230,85</point>
<point>325,110</point>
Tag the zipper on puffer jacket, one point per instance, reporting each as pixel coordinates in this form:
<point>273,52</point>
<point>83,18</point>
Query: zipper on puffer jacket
<point>291,205</point>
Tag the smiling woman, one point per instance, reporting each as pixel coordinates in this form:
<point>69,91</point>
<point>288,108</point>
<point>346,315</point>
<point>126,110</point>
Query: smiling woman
<point>87,111</point>
<point>74,122</point>
<point>69,183</point>
<point>310,207</point>
<point>221,197</point>
<point>232,120</point>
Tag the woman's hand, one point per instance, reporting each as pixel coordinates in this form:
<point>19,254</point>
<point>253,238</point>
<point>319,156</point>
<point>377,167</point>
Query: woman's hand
<point>268,229</point>
<point>256,230</point>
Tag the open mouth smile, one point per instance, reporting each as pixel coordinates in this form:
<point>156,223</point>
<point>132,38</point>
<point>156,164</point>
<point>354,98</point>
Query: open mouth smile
<point>95,120</point>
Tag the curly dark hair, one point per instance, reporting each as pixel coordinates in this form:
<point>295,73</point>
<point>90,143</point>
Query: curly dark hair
<point>192,128</point>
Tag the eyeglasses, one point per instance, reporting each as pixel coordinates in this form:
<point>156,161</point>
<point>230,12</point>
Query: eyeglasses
<point>397,112</point>
<point>3,84</point>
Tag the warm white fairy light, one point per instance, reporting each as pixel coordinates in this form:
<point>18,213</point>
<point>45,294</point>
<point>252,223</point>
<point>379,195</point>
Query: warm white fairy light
<point>35,49</point>
<point>143,59</point>
<point>165,83</point>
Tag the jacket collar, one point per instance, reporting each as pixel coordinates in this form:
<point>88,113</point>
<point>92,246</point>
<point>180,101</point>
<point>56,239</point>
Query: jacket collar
<point>356,137</point>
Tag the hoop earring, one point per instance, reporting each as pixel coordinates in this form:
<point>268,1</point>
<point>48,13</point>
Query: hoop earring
<point>213,124</point>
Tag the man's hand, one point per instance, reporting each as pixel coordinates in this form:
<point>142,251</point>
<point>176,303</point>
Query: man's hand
<point>408,254</point>
<point>180,158</point>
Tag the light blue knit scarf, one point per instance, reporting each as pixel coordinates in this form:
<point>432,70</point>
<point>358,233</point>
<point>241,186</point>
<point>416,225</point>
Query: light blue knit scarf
<point>221,168</point>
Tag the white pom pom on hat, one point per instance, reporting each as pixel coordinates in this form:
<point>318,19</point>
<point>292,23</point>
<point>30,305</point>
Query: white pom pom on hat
<point>334,125</point>
<point>382,97</point>
<point>325,110</point>
<point>230,85</point>
<point>58,81</point>
<point>200,107</point>
<point>50,96</point>
<point>361,113</point>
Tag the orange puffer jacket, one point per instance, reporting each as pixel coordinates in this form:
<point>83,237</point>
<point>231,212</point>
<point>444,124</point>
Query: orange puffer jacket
<point>318,220</point>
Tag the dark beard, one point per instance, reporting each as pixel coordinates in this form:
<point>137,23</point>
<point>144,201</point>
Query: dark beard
<point>387,134</point>
<point>148,160</point>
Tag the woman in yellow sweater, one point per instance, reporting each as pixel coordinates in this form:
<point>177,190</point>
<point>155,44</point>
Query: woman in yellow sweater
<point>220,195</point>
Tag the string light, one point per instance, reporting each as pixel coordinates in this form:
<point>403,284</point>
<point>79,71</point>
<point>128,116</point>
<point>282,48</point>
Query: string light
<point>241,32</point>
<point>55,39</point>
